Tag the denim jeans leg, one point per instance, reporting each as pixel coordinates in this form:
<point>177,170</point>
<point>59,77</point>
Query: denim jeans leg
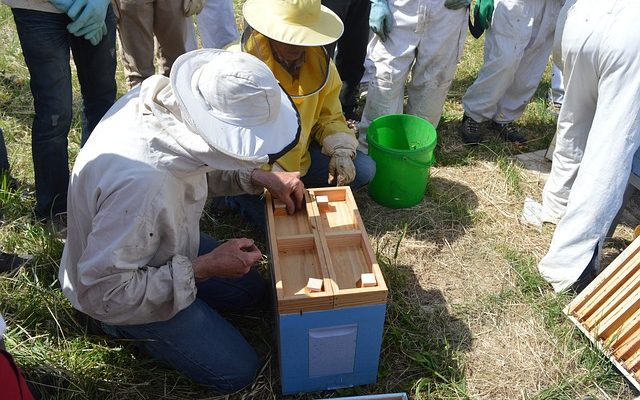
<point>200,344</point>
<point>207,244</point>
<point>197,341</point>
<point>45,46</point>
<point>240,294</point>
<point>251,207</point>
<point>319,169</point>
<point>96,67</point>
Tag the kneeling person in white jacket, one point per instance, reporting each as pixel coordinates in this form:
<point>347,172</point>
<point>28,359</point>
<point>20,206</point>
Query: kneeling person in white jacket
<point>135,259</point>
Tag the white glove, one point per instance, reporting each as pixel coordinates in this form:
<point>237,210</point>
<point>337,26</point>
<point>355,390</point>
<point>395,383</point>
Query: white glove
<point>341,168</point>
<point>341,147</point>
<point>192,7</point>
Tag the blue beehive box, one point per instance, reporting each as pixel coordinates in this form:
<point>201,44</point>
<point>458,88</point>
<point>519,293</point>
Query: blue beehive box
<point>331,295</point>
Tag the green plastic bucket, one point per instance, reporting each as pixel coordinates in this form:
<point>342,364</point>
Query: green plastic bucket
<point>402,147</point>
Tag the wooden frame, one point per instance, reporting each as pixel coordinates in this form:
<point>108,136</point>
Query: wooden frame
<point>325,241</point>
<point>608,312</point>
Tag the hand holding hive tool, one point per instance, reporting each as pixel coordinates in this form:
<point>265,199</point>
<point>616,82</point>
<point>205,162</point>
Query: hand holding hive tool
<point>232,259</point>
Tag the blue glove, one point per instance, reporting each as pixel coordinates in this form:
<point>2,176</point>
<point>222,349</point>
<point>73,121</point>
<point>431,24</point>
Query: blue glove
<point>380,18</point>
<point>70,7</point>
<point>90,13</point>
<point>92,27</point>
<point>95,36</point>
<point>456,4</point>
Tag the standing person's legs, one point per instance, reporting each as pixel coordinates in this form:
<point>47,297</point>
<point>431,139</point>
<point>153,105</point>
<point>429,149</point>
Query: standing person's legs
<point>533,62</point>
<point>217,24</point>
<point>45,45</point>
<point>352,49</point>
<point>340,7</point>
<point>575,122</point>
<point>169,28</point>
<point>437,57</point>
<point>96,66</point>
<point>135,28</point>
<point>504,45</point>
<point>557,88</point>
<point>385,94</point>
<point>574,125</point>
<point>604,58</point>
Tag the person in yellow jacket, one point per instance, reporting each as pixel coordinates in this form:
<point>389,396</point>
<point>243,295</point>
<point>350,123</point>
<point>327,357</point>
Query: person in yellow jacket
<point>288,36</point>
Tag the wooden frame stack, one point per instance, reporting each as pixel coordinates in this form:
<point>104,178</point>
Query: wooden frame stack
<point>608,312</point>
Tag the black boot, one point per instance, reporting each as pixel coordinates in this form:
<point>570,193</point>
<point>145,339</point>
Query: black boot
<point>509,132</point>
<point>470,130</point>
<point>587,276</point>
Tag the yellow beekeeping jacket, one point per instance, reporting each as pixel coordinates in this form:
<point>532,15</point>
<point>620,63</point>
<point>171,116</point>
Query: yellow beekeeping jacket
<point>315,94</point>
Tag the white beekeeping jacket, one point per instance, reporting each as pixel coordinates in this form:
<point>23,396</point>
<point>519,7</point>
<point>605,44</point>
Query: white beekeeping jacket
<point>135,199</point>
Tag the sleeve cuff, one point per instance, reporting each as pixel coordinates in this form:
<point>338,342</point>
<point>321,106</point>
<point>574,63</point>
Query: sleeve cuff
<point>339,140</point>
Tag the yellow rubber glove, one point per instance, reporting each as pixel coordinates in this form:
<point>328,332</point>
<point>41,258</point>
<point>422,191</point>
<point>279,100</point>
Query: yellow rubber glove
<point>341,169</point>
<point>192,7</point>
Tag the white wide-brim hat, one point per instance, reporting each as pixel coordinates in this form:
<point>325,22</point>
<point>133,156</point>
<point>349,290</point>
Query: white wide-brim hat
<point>233,101</point>
<point>297,22</point>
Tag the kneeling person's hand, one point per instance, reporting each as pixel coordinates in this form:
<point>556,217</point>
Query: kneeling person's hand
<point>284,186</point>
<point>341,168</point>
<point>232,259</point>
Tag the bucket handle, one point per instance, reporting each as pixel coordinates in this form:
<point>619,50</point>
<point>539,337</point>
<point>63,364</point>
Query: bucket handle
<point>417,163</point>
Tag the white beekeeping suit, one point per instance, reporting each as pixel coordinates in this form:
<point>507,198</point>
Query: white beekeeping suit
<point>216,25</point>
<point>433,36</point>
<point>516,51</point>
<point>598,133</point>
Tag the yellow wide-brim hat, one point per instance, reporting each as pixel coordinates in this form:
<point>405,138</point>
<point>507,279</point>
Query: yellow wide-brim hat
<point>297,22</point>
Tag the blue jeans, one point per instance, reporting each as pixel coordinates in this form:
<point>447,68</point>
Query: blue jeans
<point>200,343</point>
<point>45,45</point>
<point>252,206</point>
